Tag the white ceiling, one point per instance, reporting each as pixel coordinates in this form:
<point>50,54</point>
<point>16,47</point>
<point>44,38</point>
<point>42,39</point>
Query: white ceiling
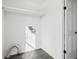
<point>25,4</point>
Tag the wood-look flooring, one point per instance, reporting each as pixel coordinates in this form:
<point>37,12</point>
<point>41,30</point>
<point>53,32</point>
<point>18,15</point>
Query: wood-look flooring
<point>35,54</point>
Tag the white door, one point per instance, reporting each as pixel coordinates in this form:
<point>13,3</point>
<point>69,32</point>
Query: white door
<point>71,29</point>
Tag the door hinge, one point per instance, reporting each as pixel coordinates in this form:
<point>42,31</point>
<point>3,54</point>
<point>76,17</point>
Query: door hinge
<point>64,51</point>
<point>65,7</point>
<point>75,32</point>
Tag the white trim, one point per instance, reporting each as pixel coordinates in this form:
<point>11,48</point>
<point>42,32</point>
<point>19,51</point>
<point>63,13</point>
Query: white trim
<point>29,45</point>
<point>22,11</point>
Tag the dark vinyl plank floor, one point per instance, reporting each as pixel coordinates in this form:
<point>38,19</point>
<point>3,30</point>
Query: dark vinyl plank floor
<point>35,54</point>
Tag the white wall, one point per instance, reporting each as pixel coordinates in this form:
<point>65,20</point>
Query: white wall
<point>52,28</point>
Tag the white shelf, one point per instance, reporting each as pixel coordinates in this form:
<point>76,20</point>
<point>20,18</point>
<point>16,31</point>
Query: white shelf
<point>23,11</point>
